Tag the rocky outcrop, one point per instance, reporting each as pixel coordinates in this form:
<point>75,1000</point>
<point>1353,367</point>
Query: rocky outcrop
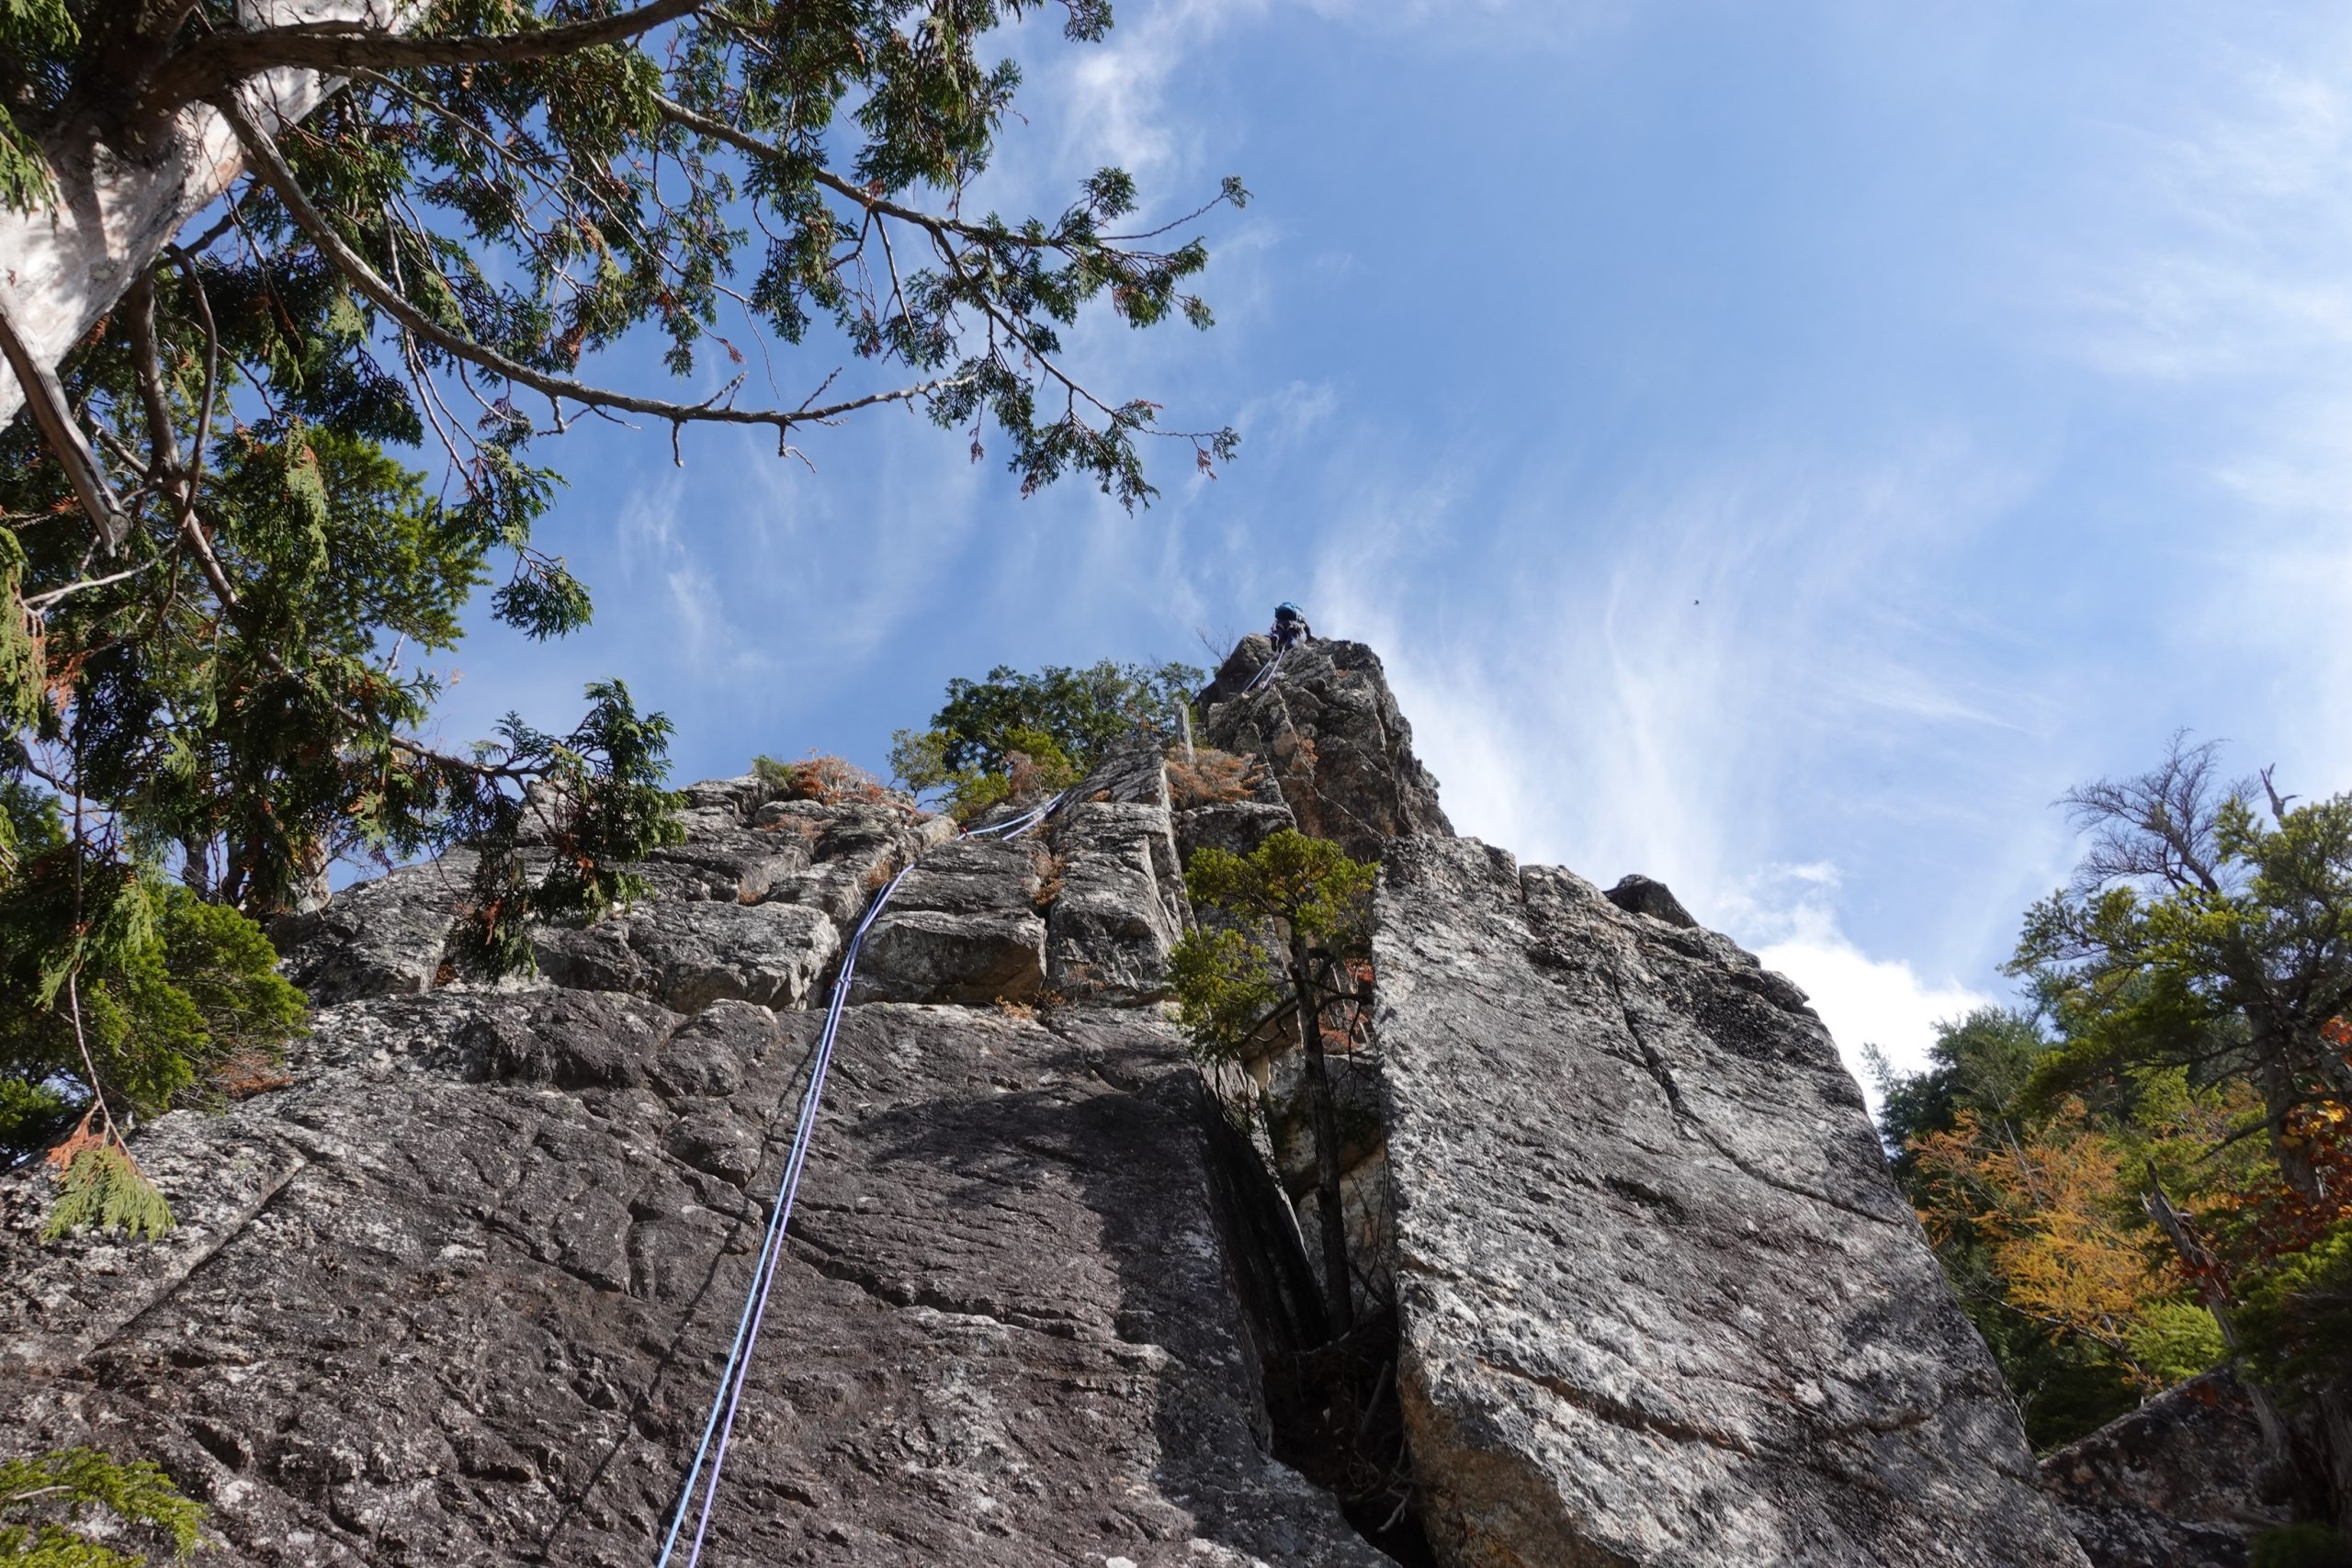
<point>1639,895</point>
<point>2183,1482</point>
<point>382,937</point>
<point>964,927</point>
<point>1660,1303</point>
<point>459,1292</point>
<point>1337,745</point>
<point>461,1295</point>
<point>1117,902</point>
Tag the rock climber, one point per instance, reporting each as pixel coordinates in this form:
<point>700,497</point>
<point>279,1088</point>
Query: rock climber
<point>1290,627</point>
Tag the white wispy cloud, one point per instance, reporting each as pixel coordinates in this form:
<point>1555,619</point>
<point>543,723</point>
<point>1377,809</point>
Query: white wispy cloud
<point>1790,913</point>
<point>1659,682</point>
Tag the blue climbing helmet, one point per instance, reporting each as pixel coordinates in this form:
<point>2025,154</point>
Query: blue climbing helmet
<point>1286,610</point>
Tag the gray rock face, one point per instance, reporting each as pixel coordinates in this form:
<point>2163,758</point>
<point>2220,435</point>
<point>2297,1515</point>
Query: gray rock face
<point>1660,1301</point>
<point>1236,827</point>
<point>1639,895</point>
<point>1120,904</point>
<point>459,1294</point>
<point>2180,1483</point>
<point>689,954</point>
<point>383,938</point>
<point>964,925</point>
<point>728,863</point>
<point>1338,745</point>
<point>461,1297</point>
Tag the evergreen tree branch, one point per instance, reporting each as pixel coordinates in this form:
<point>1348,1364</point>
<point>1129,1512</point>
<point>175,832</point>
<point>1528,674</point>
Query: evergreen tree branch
<point>341,48</point>
<point>269,165</point>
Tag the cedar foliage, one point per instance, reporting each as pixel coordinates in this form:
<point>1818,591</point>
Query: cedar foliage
<point>77,1508</point>
<point>323,418</point>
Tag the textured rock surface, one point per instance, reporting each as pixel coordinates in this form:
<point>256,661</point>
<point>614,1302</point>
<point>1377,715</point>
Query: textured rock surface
<point>1660,1303</point>
<point>1236,827</point>
<point>382,937</point>
<point>690,953</point>
<point>1338,745</point>
<point>1116,877</point>
<point>963,927</point>
<point>466,1293</point>
<point>2180,1483</point>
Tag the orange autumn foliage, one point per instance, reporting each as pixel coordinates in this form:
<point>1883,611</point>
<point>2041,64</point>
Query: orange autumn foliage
<point>2055,1206</point>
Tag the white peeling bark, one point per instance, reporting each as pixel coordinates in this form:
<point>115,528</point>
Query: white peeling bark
<point>63,266</point>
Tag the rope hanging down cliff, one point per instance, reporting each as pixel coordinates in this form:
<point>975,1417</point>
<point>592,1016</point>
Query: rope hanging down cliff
<point>1265,672</point>
<point>721,1423</point>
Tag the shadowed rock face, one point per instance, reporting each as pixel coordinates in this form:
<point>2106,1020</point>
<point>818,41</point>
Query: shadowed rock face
<point>461,1294</point>
<point>2182,1482</point>
<point>1661,1304</point>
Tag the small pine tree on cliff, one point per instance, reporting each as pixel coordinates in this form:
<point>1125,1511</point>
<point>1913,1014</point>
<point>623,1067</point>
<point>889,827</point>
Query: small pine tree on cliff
<point>1298,909</point>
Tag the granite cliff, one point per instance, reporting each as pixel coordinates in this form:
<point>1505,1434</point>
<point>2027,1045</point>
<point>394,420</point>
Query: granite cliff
<point>1637,1287</point>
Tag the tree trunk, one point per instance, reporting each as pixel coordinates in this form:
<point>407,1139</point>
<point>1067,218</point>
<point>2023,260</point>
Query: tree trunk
<point>63,266</point>
<point>2278,1437</point>
<point>1339,1282</point>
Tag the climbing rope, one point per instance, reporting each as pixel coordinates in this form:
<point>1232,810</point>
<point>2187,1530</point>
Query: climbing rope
<point>722,1421</point>
<point>1265,672</point>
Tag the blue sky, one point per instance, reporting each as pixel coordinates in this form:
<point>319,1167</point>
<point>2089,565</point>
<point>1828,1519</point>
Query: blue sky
<point>1775,448</point>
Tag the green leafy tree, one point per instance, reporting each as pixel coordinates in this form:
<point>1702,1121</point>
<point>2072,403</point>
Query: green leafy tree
<point>1291,933</point>
<point>2204,933</point>
<point>227,563</point>
<point>77,1508</point>
<point>2155,1170</point>
<point>1014,733</point>
<point>1967,1102</point>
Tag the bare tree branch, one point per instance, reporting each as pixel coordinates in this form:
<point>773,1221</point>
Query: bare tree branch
<point>63,433</point>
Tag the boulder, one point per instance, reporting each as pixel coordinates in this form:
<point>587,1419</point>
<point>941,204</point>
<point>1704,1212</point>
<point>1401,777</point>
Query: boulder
<point>2183,1482</point>
<point>964,926</point>
<point>382,937</point>
<point>690,953</point>
<point>728,863</point>
<point>1660,1300</point>
<point>1639,895</point>
<point>697,953</point>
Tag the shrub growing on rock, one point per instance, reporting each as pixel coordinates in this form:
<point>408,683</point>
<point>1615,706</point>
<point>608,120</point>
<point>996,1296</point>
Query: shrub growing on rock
<point>1211,777</point>
<point>1296,923</point>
